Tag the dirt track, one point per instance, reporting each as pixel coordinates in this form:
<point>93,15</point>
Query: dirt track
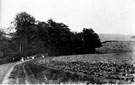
<point>4,68</point>
<point>17,74</point>
<point>5,79</point>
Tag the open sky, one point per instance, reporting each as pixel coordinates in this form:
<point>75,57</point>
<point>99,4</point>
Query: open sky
<point>104,16</point>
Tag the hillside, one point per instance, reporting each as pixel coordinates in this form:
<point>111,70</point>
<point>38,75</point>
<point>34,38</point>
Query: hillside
<point>116,46</point>
<point>117,37</point>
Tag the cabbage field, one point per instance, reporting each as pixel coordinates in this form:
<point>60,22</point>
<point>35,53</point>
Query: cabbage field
<point>92,68</point>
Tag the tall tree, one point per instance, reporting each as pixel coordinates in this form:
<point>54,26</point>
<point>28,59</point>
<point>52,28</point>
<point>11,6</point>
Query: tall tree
<point>90,41</point>
<point>60,37</point>
<point>3,43</point>
<point>25,28</point>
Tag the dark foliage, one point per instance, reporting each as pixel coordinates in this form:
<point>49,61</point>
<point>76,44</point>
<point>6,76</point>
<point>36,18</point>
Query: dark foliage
<point>50,37</point>
<point>91,41</point>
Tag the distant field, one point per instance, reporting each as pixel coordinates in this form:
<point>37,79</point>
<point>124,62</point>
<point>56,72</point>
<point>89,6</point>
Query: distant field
<point>116,46</point>
<point>118,37</point>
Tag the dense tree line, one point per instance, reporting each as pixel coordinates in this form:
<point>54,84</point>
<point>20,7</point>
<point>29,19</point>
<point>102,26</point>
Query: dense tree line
<point>32,37</point>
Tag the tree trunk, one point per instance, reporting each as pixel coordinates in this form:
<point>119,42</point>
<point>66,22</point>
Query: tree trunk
<point>20,48</point>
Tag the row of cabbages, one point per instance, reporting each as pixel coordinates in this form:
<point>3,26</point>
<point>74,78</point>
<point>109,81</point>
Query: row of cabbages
<point>114,71</point>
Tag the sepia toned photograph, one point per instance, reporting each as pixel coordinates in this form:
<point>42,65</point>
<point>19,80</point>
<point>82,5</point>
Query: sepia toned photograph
<point>67,42</point>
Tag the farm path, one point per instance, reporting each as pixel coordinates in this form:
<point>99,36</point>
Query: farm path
<point>4,68</point>
<point>8,77</point>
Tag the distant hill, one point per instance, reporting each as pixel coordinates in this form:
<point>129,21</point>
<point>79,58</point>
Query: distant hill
<point>116,46</point>
<point>115,37</point>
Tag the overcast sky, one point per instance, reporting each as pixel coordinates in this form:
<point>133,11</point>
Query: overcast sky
<point>104,16</point>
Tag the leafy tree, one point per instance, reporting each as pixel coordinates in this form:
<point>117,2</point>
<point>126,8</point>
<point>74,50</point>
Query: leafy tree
<point>3,43</point>
<point>60,37</point>
<point>23,19</point>
<point>25,29</point>
<point>90,40</point>
<point>52,37</point>
<point>43,32</point>
<point>77,43</point>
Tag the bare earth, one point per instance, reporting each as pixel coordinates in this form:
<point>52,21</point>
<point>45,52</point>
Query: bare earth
<point>17,74</point>
<point>4,68</point>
